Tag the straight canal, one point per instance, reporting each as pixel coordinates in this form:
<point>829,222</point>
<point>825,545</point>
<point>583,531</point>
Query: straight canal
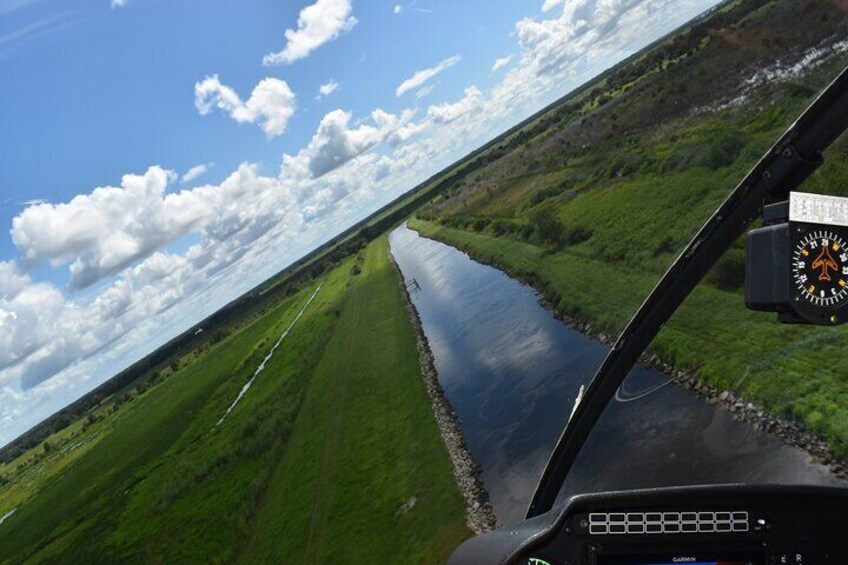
<point>512,371</point>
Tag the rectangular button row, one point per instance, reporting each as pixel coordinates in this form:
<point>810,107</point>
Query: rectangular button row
<point>667,522</point>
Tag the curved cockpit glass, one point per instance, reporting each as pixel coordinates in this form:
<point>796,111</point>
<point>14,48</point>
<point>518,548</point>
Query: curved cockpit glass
<point>725,394</point>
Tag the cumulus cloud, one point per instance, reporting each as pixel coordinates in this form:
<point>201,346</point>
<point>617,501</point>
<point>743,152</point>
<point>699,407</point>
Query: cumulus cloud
<point>118,3</point>
<point>317,24</point>
<point>44,332</point>
<point>101,233</point>
<point>335,142</point>
<point>271,104</point>
<point>397,9</point>
<point>445,113</point>
<point>553,44</point>
<point>502,62</point>
<point>559,53</point>
<point>327,89</point>
<point>194,173</point>
<point>422,76</point>
<point>12,279</point>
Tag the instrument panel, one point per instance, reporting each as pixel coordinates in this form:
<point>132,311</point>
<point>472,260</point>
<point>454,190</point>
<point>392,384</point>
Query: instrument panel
<point>720,525</point>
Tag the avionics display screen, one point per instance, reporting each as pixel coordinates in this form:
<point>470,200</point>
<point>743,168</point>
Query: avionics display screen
<point>681,559</point>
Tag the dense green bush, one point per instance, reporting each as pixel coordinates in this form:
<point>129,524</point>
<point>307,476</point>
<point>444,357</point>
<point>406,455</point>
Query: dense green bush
<point>481,223</point>
<point>723,151</point>
<point>551,191</point>
<point>548,226</point>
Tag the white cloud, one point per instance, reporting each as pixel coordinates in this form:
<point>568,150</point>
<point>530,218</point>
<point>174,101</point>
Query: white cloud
<point>425,90</point>
<point>587,36</point>
<point>194,173</point>
<point>397,130</point>
<point>100,233</point>
<point>411,7</point>
<point>12,279</point>
<point>447,112</point>
<point>326,89</point>
<point>318,23</point>
<point>335,142</point>
<point>119,3</point>
<point>551,4</point>
<point>271,104</point>
<point>43,332</point>
<point>579,32</point>
<point>502,62</point>
<point>422,76</point>
<point>332,145</point>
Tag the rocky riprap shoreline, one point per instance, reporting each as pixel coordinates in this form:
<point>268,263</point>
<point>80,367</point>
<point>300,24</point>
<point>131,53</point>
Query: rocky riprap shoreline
<point>480,516</point>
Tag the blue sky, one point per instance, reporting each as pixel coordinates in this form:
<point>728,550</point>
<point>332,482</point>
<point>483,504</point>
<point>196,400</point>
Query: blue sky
<point>160,157</point>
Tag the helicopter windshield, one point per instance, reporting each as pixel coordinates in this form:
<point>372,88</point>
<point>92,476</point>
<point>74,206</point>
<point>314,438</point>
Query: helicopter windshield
<point>724,394</point>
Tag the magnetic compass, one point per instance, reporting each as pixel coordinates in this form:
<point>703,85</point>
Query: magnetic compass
<point>797,263</point>
<point>820,267</point>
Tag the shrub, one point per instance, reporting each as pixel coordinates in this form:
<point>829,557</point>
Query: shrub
<point>481,223</point>
<point>526,231</point>
<point>577,235</point>
<point>723,151</point>
<point>548,226</point>
<point>551,191</point>
<point>501,227</point>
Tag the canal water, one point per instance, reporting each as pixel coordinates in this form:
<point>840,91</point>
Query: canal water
<point>512,371</point>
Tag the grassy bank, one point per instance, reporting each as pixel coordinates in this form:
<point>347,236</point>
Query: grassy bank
<point>364,445</point>
<point>331,440</point>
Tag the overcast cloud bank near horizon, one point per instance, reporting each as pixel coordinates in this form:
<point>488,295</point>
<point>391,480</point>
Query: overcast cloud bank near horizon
<point>160,249</point>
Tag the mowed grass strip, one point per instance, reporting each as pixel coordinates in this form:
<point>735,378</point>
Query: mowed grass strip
<point>365,443</point>
<point>777,366</point>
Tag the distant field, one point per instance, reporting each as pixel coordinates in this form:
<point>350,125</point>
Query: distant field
<point>156,480</point>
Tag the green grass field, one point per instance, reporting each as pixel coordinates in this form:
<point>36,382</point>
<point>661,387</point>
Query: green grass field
<point>364,445</point>
<point>332,439</point>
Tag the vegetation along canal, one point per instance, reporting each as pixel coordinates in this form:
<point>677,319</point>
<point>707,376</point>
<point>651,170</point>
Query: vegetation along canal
<point>512,372</point>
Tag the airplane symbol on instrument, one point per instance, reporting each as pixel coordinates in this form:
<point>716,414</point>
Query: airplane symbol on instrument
<point>825,262</point>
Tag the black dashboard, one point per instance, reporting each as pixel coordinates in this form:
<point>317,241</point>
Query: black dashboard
<point>716,525</point>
